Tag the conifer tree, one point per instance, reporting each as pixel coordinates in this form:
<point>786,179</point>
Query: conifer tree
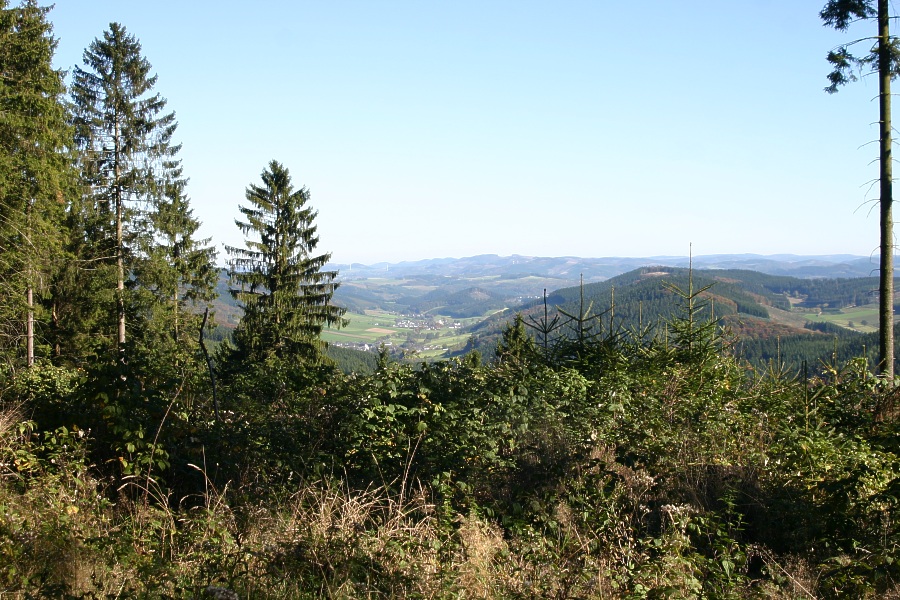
<point>176,270</point>
<point>883,59</point>
<point>516,347</point>
<point>35,173</point>
<point>125,143</point>
<point>278,276</point>
<point>135,217</point>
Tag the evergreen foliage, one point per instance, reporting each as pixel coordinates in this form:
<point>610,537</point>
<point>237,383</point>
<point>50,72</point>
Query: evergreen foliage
<point>645,301</point>
<point>277,277</point>
<point>647,468</point>
<point>516,346</point>
<point>883,60</point>
<point>349,360</point>
<point>130,235</point>
<point>177,271</point>
<point>36,178</point>
<point>124,139</point>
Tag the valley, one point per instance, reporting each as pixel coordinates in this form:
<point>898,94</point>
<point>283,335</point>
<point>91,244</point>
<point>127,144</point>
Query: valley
<point>784,308</point>
<point>424,336</point>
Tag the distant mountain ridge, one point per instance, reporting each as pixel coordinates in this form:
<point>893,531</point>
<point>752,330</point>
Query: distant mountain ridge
<point>571,268</point>
<point>765,300</point>
<point>475,285</point>
<point>768,313</point>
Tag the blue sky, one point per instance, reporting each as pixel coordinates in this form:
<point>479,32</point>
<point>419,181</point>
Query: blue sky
<point>576,128</point>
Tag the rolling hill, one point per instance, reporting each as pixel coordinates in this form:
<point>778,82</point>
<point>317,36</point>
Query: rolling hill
<point>784,308</point>
<point>773,317</point>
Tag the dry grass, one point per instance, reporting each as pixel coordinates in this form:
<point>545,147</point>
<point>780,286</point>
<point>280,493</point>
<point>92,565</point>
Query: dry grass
<point>357,543</point>
<point>60,536</point>
<point>481,559</point>
<point>801,579</point>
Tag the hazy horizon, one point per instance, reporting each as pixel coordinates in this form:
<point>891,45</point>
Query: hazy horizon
<point>427,129</point>
<point>782,256</point>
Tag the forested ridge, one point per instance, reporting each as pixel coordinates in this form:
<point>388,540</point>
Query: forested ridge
<point>752,306</point>
<point>581,458</point>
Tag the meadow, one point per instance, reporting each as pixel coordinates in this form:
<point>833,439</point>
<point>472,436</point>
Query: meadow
<point>425,336</point>
<point>862,318</point>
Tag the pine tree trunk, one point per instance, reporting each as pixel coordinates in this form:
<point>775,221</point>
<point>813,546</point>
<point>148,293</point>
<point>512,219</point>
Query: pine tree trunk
<point>886,284</point>
<point>120,259</point>
<point>29,292</point>
<point>29,326</point>
<point>54,316</point>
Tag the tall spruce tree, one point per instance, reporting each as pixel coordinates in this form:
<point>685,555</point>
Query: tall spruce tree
<point>278,276</point>
<point>883,58</point>
<point>138,259</point>
<point>124,137</point>
<point>36,175</point>
<point>176,270</point>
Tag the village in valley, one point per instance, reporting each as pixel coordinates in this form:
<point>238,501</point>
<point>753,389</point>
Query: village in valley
<point>405,333</point>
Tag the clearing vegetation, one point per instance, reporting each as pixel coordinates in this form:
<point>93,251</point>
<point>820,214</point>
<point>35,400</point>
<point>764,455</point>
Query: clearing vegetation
<point>590,467</point>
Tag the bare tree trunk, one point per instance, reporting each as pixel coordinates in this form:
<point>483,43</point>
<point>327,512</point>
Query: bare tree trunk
<point>29,291</point>
<point>886,283</point>
<point>209,365</point>
<point>54,315</point>
<point>120,259</point>
<point>29,326</point>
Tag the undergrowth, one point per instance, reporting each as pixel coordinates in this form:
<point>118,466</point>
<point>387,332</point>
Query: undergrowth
<point>596,468</point>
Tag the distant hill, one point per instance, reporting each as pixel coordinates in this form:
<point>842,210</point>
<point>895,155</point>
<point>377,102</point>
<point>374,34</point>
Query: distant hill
<point>403,287</point>
<point>224,307</point>
<point>765,300</point>
<point>766,312</point>
<point>421,286</point>
<point>469,302</point>
<point>570,268</point>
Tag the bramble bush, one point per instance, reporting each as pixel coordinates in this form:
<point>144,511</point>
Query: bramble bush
<point>626,466</point>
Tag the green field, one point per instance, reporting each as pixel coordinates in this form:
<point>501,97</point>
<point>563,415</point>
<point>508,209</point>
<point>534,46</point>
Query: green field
<point>372,327</point>
<point>858,318</point>
<point>428,336</point>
